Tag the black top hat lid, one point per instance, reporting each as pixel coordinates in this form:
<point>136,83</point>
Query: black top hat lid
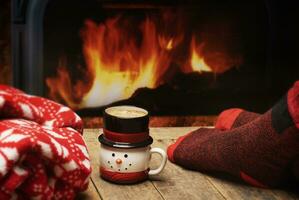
<point>125,127</point>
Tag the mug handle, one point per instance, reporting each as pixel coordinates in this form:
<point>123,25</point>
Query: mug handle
<point>163,163</point>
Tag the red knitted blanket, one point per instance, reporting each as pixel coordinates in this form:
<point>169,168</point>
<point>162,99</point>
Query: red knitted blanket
<point>42,152</point>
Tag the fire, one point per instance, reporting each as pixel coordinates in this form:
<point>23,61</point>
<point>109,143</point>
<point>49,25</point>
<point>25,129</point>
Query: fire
<point>169,43</point>
<point>117,62</point>
<point>210,60</point>
<point>62,87</point>
<point>118,66</point>
<point>198,63</point>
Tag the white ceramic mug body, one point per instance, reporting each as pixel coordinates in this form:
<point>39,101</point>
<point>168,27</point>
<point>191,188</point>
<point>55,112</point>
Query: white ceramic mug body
<point>123,160</point>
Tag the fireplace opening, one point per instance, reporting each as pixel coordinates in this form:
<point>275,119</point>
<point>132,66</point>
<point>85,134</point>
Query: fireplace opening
<point>170,57</point>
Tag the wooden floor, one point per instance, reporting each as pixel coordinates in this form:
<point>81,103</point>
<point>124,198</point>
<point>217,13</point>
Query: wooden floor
<point>174,182</point>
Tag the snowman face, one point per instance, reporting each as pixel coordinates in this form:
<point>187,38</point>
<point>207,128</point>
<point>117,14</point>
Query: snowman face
<point>124,160</point>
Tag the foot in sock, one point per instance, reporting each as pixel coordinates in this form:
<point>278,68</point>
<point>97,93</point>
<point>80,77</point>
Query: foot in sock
<point>261,152</point>
<point>236,117</point>
<point>233,118</point>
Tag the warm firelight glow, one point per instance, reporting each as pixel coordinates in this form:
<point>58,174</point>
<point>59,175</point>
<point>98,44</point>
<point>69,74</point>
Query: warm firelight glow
<point>62,87</point>
<point>118,66</point>
<point>168,42</point>
<point>198,63</point>
<point>204,59</point>
<point>169,45</point>
<point>117,63</point>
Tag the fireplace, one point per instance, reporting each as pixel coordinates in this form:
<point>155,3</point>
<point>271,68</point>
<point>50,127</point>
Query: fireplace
<point>170,57</point>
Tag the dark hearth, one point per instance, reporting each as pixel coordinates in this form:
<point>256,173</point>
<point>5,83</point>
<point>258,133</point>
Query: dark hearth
<point>173,58</point>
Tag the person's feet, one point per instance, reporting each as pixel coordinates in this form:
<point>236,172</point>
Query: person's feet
<point>233,118</point>
<point>260,149</point>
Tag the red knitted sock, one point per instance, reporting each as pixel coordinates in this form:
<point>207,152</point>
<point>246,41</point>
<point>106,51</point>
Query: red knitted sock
<point>234,117</point>
<point>261,152</point>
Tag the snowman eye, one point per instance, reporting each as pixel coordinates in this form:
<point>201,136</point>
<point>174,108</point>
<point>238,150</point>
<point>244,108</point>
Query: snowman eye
<point>126,155</point>
<point>113,154</point>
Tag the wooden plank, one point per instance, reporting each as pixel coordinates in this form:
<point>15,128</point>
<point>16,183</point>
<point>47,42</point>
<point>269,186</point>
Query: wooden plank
<point>175,182</point>
<point>144,190</point>
<point>229,189</point>
<point>281,194</point>
<point>233,190</point>
<point>90,193</point>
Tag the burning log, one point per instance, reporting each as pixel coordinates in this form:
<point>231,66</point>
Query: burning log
<point>121,60</point>
<point>193,93</point>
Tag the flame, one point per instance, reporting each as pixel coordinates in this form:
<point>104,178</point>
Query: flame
<point>170,42</point>
<point>169,45</point>
<point>117,65</point>
<point>204,59</point>
<point>117,62</point>
<point>62,87</point>
<point>120,67</point>
<point>198,63</point>
<point>166,43</point>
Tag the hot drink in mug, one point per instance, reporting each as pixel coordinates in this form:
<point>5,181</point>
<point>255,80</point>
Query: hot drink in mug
<point>125,146</point>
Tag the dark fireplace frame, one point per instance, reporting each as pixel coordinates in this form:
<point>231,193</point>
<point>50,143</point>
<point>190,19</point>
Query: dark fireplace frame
<point>27,44</point>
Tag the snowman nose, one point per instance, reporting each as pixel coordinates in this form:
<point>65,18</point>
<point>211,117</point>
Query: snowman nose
<point>118,161</point>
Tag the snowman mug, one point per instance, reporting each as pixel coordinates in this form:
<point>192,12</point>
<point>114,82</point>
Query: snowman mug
<point>125,146</point>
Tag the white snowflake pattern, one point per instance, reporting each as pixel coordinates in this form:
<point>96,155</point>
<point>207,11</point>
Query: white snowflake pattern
<point>86,163</point>
<point>2,101</point>
<point>3,165</point>
<point>20,171</point>
<point>10,152</point>
<point>8,136</point>
<point>4,92</point>
<point>57,146</point>
<point>46,149</point>
<point>14,138</point>
<point>6,133</point>
<point>65,152</point>
<point>70,166</point>
<point>54,134</point>
<point>22,123</point>
<point>77,118</point>
<point>27,112</point>
<point>49,123</point>
<point>83,150</point>
<point>63,109</point>
<point>52,131</point>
